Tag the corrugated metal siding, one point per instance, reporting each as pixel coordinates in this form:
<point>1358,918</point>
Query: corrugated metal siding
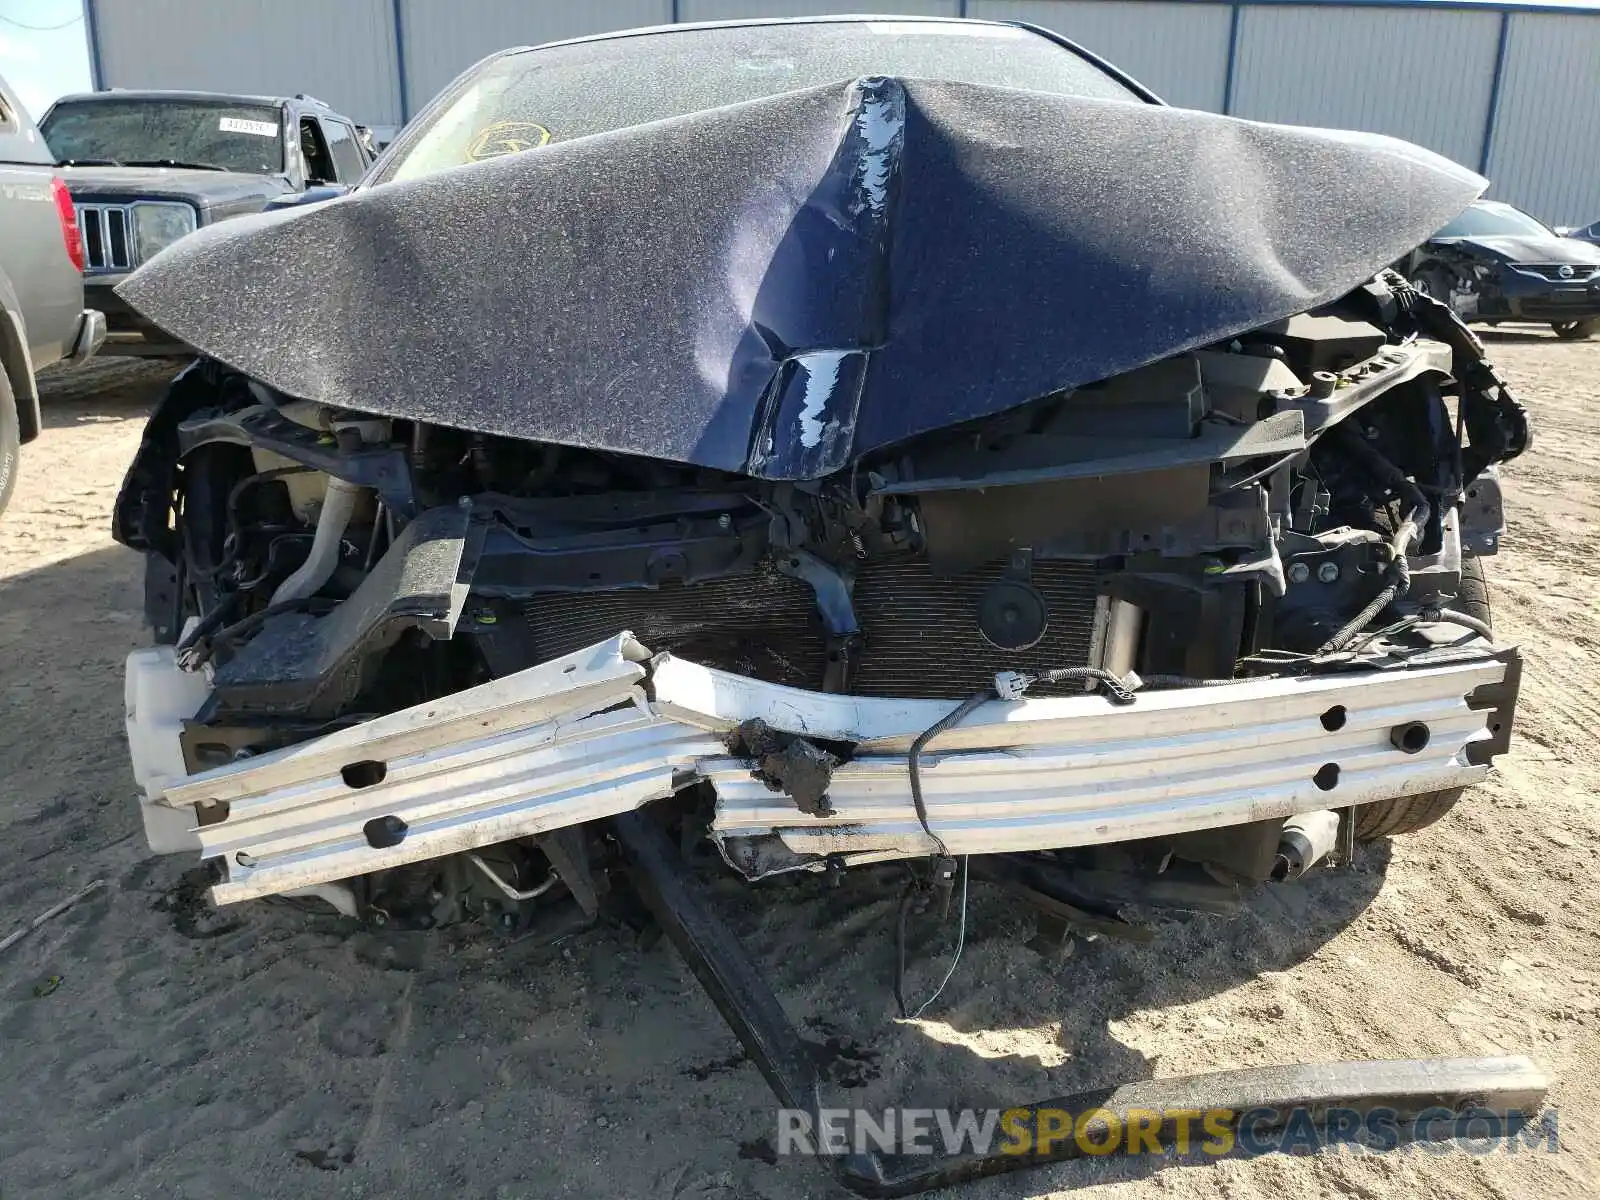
<point>1545,154</point>
<point>444,37</point>
<point>1423,75</point>
<point>727,10</point>
<point>1179,50</point>
<point>341,53</point>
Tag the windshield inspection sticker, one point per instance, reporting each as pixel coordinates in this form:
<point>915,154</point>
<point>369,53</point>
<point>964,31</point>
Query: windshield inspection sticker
<point>237,125</point>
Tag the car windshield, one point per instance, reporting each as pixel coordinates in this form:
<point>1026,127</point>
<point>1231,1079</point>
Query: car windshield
<point>229,137</point>
<point>526,99</point>
<point>1494,222</point>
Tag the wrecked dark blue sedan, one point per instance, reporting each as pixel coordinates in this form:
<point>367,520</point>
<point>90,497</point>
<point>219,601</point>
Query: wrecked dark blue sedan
<point>827,444</point>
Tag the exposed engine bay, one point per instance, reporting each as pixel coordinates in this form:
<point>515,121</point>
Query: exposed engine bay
<point>952,480</point>
<point>1291,505</point>
<point>844,559</point>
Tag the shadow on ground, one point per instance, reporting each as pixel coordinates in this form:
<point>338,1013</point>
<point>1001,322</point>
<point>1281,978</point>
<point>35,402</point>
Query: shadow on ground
<point>1003,984</point>
<point>103,387</point>
<point>1504,336</point>
<point>249,1047</point>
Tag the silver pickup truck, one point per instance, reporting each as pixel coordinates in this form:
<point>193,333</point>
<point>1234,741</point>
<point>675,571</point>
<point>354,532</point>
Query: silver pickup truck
<point>42,318</point>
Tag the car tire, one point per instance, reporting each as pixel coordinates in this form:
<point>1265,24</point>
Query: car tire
<point>10,442</point>
<point>1433,280</point>
<point>1407,814</point>
<point>1576,331</point>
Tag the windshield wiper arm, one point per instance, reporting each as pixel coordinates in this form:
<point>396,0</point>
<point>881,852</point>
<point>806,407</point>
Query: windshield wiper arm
<point>172,162</point>
<point>88,162</point>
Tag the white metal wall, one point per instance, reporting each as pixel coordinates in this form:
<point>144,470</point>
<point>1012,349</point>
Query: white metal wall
<point>1420,71</point>
<point>1421,75</point>
<point>1545,152</point>
<point>1176,48</point>
<point>442,38</point>
<point>342,53</point>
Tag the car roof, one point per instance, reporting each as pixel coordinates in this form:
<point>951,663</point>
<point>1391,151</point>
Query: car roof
<point>750,22</point>
<point>1029,27</point>
<point>1495,206</point>
<point>176,94</point>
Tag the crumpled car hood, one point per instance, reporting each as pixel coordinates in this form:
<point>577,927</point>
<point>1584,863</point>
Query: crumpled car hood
<point>782,286</point>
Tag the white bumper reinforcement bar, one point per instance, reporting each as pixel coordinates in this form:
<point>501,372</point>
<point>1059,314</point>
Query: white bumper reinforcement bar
<point>609,728</point>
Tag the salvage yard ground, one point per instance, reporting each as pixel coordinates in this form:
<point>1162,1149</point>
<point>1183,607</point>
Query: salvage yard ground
<point>151,1048</point>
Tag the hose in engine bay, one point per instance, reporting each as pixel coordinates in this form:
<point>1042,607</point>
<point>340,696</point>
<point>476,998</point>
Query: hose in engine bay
<point>1398,575</point>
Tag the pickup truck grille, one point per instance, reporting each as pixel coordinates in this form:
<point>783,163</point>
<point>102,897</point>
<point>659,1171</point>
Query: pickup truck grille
<point>107,238</point>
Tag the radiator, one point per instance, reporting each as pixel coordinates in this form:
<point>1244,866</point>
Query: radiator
<point>919,632</point>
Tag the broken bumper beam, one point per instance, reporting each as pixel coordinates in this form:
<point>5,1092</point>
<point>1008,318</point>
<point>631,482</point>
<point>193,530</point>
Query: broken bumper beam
<point>1059,773</point>
<point>608,729</point>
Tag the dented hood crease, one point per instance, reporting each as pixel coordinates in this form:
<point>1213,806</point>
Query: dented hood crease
<point>782,286</point>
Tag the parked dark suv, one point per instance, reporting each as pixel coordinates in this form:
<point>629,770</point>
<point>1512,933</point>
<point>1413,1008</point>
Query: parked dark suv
<point>42,317</point>
<point>146,168</point>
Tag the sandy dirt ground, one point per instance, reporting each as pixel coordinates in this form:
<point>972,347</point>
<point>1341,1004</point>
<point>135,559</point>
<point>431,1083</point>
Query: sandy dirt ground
<point>148,1048</point>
